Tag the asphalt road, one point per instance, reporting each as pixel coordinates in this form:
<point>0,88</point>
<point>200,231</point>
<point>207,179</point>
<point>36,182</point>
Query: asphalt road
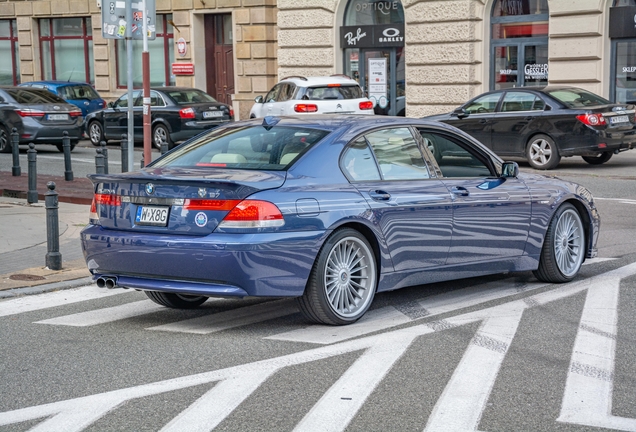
<point>499,353</point>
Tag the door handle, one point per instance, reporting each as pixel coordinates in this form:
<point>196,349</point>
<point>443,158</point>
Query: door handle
<point>380,195</point>
<point>483,121</point>
<point>459,190</point>
<point>529,118</point>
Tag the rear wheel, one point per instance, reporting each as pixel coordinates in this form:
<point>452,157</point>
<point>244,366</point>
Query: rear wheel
<point>542,153</point>
<point>161,134</point>
<point>95,132</point>
<point>60,147</point>
<point>176,301</point>
<point>5,140</point>
<point>599,159</point>
<point>342,282</point>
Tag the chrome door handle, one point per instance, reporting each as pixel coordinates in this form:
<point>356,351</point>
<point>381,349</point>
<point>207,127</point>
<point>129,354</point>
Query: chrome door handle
<point>459,190</point>
<point>379,195</point>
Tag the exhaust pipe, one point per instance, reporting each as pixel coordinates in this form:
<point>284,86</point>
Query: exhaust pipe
<point>109,282</point>
<point>101,282</point>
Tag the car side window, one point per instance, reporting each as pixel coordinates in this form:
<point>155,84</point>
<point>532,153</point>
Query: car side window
<point>398,154</point>
<point>122,102</point>
<point>286,92</point>
<point>453,159</point>
<point>484,104</point>
<point>156,99</point>
<point>539,104</point>
<point>358,162</point>
<point>518,101</point>
<point>273,94</point>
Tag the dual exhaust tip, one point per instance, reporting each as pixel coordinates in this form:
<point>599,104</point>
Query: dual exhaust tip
<point>109,282</point>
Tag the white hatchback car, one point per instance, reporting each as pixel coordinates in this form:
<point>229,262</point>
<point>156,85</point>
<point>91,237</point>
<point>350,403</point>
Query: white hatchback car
<point>336,94</point>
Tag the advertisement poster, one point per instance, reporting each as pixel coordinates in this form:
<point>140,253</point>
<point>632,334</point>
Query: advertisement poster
<point>377,81</point>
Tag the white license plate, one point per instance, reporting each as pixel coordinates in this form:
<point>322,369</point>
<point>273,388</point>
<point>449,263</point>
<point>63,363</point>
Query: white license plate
<point>210,114</point>
<point>149,215</point>
<point>619,119</point>
<point>57,117</point>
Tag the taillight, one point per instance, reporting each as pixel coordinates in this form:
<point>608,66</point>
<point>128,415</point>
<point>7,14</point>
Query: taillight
<point>186,113</point>
<point>253,214</point>
<point>75,113</point>
<point>208,204</point>
<point>366,105</point>
<point>27,112</point>
<point>305,108</point>
<point>592,119</point>
<point>231,113</point>
<point>104,104</point>
<point>107,199</point>
<point>93,216</point>
<point>333,85</point>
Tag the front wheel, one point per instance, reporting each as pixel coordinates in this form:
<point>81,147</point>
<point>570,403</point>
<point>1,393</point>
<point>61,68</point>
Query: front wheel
<point>5,140</point>
<point>563,248</point>
<point>95,132</point>
<point>161,134</point>
<point>176,301</point>
<point>599,159</point>
<point>542,153</point>
<point>342,282</point>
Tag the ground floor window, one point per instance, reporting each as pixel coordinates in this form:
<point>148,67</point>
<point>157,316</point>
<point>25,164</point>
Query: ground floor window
<point>161,55</point>
<point>10,67</point>
<point>519,65</point>
<point>623,83</point>
<point>66,49</point>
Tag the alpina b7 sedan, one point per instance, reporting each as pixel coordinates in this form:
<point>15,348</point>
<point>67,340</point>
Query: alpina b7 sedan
<point>330,210</point>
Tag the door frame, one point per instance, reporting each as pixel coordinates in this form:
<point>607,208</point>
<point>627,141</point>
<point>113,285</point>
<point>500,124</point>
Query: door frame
<point>362,68</point>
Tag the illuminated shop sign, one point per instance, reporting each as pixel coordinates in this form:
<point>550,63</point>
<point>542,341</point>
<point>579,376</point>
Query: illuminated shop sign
<point>378,36</point>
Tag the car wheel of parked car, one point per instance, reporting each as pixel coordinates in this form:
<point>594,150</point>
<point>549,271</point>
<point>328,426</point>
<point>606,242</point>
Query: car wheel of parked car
<point>542,153</point>
<point>599,159</point>
<point>161,134</point>
<point>176,301</point>
<point>563,248</point>
<point>95,132</point>
<point>5,140</point>
<point>60,147</point>
<point>342,282</point>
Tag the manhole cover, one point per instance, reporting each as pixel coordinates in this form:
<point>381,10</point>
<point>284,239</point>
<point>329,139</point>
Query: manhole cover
<point>26,277</point>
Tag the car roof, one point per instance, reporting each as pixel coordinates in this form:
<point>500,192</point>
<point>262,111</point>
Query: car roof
<point>58,83</point>
<point>320,80</point>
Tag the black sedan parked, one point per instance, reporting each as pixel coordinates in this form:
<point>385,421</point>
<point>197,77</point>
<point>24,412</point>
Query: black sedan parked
<point>39,116</point>
<point>545,124</point>
<point>177,113</point>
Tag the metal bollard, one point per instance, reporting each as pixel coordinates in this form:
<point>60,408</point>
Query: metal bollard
<point>66,146</point>
<point>105,154</point>
<point>32,157</point>
<point>141,163</point>
<point>124,153</point>
<point>164,147</point>
<point>53,255</point>
<point>15,149</point>
<point>99,162</point>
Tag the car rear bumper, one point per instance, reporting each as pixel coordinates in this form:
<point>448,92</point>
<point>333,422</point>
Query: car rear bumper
<point>50,134</point>
<point>271,265</point>
<point>597,141</point>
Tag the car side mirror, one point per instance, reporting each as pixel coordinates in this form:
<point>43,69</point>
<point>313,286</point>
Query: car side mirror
<point>510,169</point>
<point>460,113</point>
<point>258,99</point>
<point>110,105</point>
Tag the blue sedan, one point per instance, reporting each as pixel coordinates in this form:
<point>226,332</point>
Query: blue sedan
<point>330,210</point>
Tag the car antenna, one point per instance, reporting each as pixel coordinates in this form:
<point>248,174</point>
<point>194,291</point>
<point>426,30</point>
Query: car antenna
<point>71,74</point>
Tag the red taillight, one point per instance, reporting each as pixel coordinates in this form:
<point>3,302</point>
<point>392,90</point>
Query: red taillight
<point>366,105</point>
<point>27,112</point>
<point>186,113</point>
<point>93,216</point>
<point>104,104</point>
<point>231,113</point>
<point>107,199</point>
<point>305,108</point>
<point>333,85</point>
<point>208,204</point>
<point>592,119</point>
<point>75,113</point>
<point>253,214</point>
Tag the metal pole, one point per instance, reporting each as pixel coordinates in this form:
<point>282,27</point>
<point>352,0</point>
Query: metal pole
<point>32,155</point>
<point>99,162</point>
<point>129,52</point>
<point>124,153</point>
<point>105,154</point>
<point>66,145</point>
<point>145,57</point>
<point>53,255</point>
<point>15,149</point>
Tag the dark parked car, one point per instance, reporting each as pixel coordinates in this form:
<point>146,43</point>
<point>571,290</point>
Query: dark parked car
<point>39,116</point>
<point>330,210</point>
<point>82,95</point>
<point>545,124</point>
<point>178,113</point>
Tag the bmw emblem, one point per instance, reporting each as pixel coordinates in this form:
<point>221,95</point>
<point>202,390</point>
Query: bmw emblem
<point>202,192</point>
<point>150,188</point>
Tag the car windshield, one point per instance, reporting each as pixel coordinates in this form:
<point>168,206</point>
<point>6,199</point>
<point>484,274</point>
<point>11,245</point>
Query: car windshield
<point>577,98</point>
<point>77,92</point>
<point>247,147</point>
<point>189,96</point>
<point>33,96</point>
<point>333,92</point>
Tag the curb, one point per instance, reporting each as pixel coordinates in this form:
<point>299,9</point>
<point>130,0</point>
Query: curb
<point>40,289</point>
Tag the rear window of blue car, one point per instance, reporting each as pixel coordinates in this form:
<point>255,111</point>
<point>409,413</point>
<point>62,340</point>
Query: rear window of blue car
<point>75,92</point>
<point>249,147</point>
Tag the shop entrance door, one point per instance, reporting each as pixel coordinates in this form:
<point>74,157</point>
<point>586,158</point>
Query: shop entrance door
<point>219,57</point>
<point>380,72</point>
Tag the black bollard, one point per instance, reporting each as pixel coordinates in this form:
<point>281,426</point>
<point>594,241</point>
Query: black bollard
<point>164,147</point>
<point>32,156</point>
<point>53,255</point>
<point>105,154</point>
<point>15,149</point>
<point>124,153</point>
<point>66,146</point>
<point>99,162</point>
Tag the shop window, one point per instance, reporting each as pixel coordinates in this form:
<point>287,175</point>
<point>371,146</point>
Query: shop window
<point>66,49</point>
<point>10,67</point>
<point>161,55</point>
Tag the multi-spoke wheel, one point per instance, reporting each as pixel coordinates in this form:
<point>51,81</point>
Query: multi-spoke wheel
<point>5,140</point>
<point>564,246</point>
<point>161,134</point>
<point>177,301</point>
<point>95,132</point>
<point>343,280</point>
<point>542,153</point>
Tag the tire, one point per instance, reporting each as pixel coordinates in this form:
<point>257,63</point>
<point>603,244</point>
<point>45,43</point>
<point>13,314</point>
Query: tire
<point>176,301</point>
<point>346,264</point>
<point>5,140</point>
<point>599,159</point>
<point>95,132</point>
<point>161,133</point>
<point>564,247</point>
<point>542,153</point>
<point>60,147</point>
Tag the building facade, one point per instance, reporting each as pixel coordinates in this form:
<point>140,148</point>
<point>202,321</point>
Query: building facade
<point>414,57</point>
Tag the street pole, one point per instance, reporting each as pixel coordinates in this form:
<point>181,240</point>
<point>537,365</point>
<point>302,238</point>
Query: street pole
<point>129,52</point>
<point>145,58</point>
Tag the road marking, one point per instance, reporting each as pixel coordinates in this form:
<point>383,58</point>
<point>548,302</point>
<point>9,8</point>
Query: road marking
<point>106,315</point>
<point>620,200</point>
<point>52,299</point>
<point>597,260</point>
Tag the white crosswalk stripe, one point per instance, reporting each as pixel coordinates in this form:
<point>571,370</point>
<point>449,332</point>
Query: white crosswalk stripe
<point>106,315</point>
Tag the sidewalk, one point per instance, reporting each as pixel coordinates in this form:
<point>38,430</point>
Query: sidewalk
<point>23,234</point>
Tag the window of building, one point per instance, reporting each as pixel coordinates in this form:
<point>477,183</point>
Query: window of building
<point>519,43</point>
<point>10,67</point>
<point>161,55</point>
<point>66,49</point>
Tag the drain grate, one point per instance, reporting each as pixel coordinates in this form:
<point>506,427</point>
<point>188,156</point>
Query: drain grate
<point>26,277</point>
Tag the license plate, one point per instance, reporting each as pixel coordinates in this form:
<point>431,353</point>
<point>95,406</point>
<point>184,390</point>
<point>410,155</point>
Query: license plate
<point>210,114</point>
<point>149,215</point>
<point>57,117</point>
<point>619,119</point>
